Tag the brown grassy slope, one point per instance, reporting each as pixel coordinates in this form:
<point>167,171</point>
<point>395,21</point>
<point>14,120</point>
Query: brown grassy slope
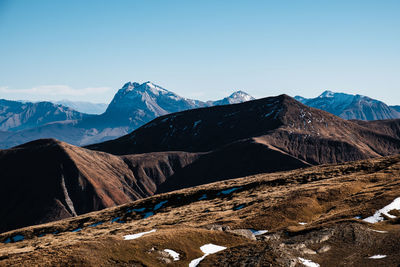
<point>47,180</point>
<point>327,198</point>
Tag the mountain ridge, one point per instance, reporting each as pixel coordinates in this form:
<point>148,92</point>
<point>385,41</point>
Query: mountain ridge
<point>348,106</point>
<point>132,106</point>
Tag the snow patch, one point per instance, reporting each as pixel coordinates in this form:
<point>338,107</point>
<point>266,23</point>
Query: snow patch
<point>377,217</point>
<point>207,250</point>
<point>173,254</point>
<point>258,232</point>
<point>377,257</point>
<point>308,263</point>
<point>378,231</point>
<point>134,236</point>
<point>302,223</point>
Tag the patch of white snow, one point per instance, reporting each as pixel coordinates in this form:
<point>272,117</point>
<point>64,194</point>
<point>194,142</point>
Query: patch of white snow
<point>173,254</point>
<point>258,232</point>
<point>134,236</point>
<point>377,217</point>
<point>375,257</point>
<point>308,263</point>
<point>207,250</point>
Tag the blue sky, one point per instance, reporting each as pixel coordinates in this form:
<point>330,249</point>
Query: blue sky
<point>86,50</point>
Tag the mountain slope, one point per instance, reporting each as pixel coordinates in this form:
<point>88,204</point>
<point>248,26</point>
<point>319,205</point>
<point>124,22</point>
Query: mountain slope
<point>16,116</point>
<point>349,106</point>
<point>282,219</point>
<point>51,180</point>
<point>280,122</point>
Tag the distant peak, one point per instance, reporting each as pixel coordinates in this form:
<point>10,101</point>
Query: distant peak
<point>241,94</point>
<point>326,94</point>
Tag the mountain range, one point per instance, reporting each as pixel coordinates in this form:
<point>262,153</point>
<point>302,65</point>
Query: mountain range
<point>266,182</point>
<point>181,150</point>
<point>133,105</point>
<point>352,107</point>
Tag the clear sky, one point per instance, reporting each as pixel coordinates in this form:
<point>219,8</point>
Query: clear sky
<point>86,50</point>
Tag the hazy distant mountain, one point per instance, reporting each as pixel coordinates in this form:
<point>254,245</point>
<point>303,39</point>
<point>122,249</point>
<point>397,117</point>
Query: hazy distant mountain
<point>84,107</point>
<point>16,115</point>
<point>132,106</point>
<point>349,106</point>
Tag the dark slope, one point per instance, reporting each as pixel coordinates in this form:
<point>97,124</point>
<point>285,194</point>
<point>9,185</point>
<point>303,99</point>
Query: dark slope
<point>235,160</point>
<point>47,180</point>
<point>309,134</point>
<point>201,129</point>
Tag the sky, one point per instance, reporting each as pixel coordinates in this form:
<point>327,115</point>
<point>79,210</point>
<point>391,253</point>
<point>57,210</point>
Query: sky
<point>86,50</point>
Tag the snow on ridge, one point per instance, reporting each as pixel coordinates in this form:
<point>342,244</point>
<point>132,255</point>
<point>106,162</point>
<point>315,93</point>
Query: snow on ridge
<point>377,217</point>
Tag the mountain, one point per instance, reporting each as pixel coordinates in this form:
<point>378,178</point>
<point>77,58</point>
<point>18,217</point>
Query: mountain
<point>235,98</point>
<point>280,121</point>
<point>253,137</point>
<point>133,105</point>
<point>306,217</point>
<point>84,107</point>
<point>52,180</point>
<point>181,150</point>
<point>17,116</point>
<point>351,107</point>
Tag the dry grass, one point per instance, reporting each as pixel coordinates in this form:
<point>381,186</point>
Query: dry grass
<point>327,198</point>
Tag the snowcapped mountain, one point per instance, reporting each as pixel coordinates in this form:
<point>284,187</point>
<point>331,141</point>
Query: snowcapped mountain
<point>235,98</point>
<point>17,115</point>
<point>84,107</point>
<point>132,106</point>
<point>349,106</point>
<point>136,104</point>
